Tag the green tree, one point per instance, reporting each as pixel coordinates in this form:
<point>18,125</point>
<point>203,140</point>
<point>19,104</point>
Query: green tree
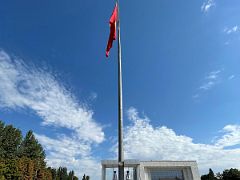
<point>10,140</point>
<point>2,169</point>
<point>75,178</point>
<point>31,148</point>
<point>231,174</point>
<point>48,174</point>
<point>62,173</point>
<point>26,168</point>
<point>70,175</point>
<point>84,177</point>
<point>11,171</point>
<point>219,175</point>
<point>54,173</point>
<point>39,174</point>
<point>1,129</point>
<point>209,176</point>
<point>25,158</point>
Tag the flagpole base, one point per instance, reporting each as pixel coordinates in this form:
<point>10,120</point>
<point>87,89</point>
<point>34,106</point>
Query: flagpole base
<point>121,171</point>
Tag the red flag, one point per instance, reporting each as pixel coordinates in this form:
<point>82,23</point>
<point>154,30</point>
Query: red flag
<point>113,29</point>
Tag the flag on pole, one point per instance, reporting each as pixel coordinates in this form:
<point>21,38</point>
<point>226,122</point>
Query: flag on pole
<point>113,29</point>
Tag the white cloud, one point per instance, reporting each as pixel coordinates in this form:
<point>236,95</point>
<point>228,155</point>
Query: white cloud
<point>23,86</point>
<point>227,43</point>
<point>195,96</point>
<point>231,30</point>
<point>231,138</point>
<point>210,80</point>
<point>213,74</point>
<point>208,85</point>
<point>143,141</point>
<point>71,153</point>
<point>207,5</point>
<point>93,96</point>
<point>231,77</point>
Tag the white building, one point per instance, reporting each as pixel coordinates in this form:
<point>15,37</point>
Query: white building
<point>153,170</point>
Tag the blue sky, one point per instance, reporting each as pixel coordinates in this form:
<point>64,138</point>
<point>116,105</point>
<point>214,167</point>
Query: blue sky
<point>181,80</point>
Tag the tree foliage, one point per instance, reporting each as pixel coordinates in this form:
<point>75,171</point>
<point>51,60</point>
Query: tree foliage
<point>31,148</point>
<point>227,174</point>
<point>231,174</point>
<point>25,158</point>
<point>209,176</point>
<point>10,139</point>
<point>86,177</point>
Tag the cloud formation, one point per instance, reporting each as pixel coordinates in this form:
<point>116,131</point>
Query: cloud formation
<point>24,86</point>
<point>232,30</point>
<point>143,141</point>
<point>231,136</point>
<point>207,5</point>
<point>210,80</point>
<point>69,152</point>
<point>231,77</point>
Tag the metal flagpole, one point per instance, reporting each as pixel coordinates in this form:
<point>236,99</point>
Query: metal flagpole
<point>120,106</point>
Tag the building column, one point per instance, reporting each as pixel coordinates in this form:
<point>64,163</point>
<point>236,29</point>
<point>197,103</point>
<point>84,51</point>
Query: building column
<point>137,172</point>
<point>142,172</point>
<point>103,172</point>
<point>187,173</point>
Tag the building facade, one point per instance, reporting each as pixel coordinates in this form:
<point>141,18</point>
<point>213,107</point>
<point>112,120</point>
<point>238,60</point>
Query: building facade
<point>152,170</point>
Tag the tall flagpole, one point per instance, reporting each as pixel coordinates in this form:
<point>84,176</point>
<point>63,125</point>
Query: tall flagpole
<point>120,106</point>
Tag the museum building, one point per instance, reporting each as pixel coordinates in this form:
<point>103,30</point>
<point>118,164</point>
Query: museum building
<point>151,170</point>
